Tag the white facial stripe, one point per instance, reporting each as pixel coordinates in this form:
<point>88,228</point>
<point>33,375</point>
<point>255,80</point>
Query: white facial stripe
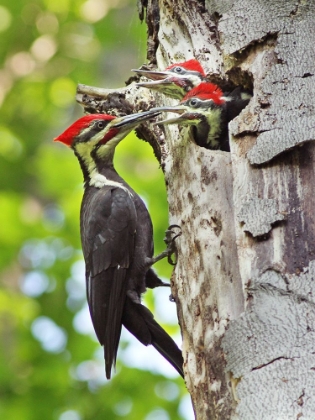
<point>195,80</point>
<point>84,149</point>
<point>207,103</point>
<point>85,130</point>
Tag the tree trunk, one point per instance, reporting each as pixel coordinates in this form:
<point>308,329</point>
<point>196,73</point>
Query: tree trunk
<point>244,281</point>
<point>245,277</point>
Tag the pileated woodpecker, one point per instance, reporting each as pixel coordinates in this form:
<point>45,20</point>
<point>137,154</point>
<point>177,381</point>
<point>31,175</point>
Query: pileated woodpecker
<point>117,239</point>
<point>176,80</point>
<point>207,109</point>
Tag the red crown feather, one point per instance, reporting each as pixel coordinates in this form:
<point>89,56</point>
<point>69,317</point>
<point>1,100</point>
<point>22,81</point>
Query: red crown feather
<point>191,65</point>
<point>71,132</point>
<point>206,91</point>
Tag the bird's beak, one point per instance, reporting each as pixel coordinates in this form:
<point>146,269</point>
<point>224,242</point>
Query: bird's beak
<point>156,84</point>
<point>151,74</point>
<point>185,116</point>
<point>178,109</point>
<point>180,81</point>
<point>133,120</point>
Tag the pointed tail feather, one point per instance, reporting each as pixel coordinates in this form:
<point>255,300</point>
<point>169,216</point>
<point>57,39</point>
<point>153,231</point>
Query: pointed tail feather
<point>140,322</point>
<point>113,321</point>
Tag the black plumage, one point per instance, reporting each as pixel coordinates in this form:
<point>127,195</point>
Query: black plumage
<point>117,240</point>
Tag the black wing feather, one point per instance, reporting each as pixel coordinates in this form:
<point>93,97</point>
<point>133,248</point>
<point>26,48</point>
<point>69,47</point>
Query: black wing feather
<point>108,224</point>
<point>115,309</point>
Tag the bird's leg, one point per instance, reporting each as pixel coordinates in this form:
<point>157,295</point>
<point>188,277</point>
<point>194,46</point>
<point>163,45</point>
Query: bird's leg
<point>170,242</point>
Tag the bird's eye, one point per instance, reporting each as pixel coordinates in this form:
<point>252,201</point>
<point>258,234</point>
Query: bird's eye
<point>101,125</point>
<point>178,69</point>
<point>193,102</point>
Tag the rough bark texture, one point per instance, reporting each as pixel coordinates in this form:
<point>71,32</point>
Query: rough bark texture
<point>244,283</point>
<point>248,228</point>
<point>276,378</point>
<point>199,182</point>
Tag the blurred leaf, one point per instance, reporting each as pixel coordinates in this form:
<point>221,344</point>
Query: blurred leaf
<point>48,46</point>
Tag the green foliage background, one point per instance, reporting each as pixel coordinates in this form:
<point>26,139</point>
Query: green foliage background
<point>51,366</point>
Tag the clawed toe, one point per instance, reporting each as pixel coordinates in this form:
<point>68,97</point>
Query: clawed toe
<point>169,240</point>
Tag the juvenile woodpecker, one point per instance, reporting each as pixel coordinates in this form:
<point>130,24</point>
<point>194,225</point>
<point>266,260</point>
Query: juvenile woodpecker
<point>117,239</point>
<point>208,111</point>
<point>176,80</point>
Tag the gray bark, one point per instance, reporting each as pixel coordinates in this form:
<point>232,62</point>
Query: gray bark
<point>244,282</point>
<point>245,272</point>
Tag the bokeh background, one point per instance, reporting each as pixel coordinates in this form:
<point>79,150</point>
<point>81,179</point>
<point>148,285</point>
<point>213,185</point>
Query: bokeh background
<point>51,366</point>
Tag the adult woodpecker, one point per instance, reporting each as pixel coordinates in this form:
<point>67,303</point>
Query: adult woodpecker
<point>117,239</point>
<point>176,80</point>
<point>208,111</point>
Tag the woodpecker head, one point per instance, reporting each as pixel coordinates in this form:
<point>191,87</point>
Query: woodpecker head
<point>209,111</point>
<point>94,137</point>
<point>203,107</point>
<point>201,101</point>
<point>176,80</point>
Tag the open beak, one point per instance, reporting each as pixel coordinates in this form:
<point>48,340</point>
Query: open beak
<point>151,74</point>
<point>172,85</point>
<point>133,120</point>
<point>156,84</point>
<point>184,117</point>
<point>178,109</point>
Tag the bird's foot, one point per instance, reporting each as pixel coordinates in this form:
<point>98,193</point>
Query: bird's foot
<point>170,242</point>
<point>170,236</point>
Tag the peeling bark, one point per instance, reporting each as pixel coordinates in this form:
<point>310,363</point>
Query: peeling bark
<point>287,88</point>
<point>258,215</point>
<point>244,283</point>
<point>245,301</point>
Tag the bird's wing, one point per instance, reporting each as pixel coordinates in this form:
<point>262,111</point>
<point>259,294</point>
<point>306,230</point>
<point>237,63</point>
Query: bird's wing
<point>108,225</point>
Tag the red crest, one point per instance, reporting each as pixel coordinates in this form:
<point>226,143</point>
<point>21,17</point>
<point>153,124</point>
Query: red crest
<point>206,91</point>
<point>74,130</point>
<point>190,65</point>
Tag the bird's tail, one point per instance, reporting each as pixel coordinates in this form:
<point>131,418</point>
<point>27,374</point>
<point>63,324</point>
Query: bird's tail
<point>106,294</point>
<point>140,322</point>
<point>113,320</point>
